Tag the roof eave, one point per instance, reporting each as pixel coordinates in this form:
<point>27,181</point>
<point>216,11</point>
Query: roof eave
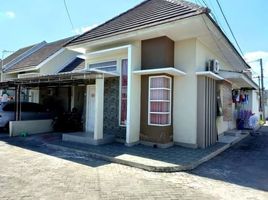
<point>228,41</point>
<point>82,43</point>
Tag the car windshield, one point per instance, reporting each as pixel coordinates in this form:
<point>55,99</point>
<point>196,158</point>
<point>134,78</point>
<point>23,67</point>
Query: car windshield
<point>25,107</point>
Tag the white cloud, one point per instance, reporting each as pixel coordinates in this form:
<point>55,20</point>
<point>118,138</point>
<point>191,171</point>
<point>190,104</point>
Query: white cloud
<point>84,29</point>
<point>253,59</point>
<point>7,15</point>
<point>10,14</point>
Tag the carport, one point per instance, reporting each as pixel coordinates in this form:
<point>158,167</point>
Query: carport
<point>68,80</point>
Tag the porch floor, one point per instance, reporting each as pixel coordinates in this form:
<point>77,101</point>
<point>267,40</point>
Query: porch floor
<point>87,138</point>
<point>144,157</point>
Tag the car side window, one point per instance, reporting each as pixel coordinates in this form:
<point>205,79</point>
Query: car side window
<point>31,107</point>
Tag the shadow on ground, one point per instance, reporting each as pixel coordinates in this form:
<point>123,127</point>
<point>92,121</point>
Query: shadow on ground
<point>32,144</point>
<point>245,164</point>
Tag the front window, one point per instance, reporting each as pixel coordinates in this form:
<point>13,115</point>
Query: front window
<point>123,95</point>
<point>159,111</point>
<point>109,66</point>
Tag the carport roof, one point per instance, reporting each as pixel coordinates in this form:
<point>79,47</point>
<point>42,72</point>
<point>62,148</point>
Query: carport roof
<point>51,80</point>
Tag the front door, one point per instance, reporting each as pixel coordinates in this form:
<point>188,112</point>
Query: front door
<point>90,108</point>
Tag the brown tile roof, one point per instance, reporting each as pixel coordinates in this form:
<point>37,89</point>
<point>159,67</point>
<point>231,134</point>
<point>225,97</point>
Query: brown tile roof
<point>39,56</point>
<point>16,54</point>
<point>148,13</point>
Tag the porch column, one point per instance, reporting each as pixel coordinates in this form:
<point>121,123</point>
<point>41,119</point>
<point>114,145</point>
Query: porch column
<point>133,95</point>
<point>99,99</point>
<point>72,97</point>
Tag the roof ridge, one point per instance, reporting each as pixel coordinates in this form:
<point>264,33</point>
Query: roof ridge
<point>64,39</point>
<point>24,55</point>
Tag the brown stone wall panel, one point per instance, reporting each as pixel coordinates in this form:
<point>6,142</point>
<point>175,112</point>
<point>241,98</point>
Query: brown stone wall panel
<point>226,90</point>
<point>157,53</point>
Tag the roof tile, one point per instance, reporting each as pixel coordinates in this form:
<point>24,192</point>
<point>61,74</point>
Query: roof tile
<point>148,13</point>
<point>39,56</point>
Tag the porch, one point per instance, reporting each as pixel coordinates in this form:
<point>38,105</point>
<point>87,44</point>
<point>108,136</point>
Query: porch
<point>93,95</point>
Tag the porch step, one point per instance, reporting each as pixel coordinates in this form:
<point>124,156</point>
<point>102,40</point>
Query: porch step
<point>233,133</point>
<point>87,138</point>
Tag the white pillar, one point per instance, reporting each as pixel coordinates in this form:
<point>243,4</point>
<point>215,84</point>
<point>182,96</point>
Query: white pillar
<point>72,96</point>
<point>133,95</point>
<point>99,102</point>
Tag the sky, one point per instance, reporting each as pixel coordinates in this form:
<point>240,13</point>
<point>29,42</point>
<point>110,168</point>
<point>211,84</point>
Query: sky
<point>26,22</point>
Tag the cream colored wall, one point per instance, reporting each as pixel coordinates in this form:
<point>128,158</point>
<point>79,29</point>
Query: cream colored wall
<point>185,94</point>
<point>203,55</point>
<point>58,62</point>
<point>7,77</point>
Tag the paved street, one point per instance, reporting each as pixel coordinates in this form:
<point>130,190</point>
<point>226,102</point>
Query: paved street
<point>31,171</point>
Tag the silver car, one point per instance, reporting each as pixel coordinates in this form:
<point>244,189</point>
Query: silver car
<point>29,111</point>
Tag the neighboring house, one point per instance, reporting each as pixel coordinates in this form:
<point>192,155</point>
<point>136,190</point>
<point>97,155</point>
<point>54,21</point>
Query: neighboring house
<point>156,78</point>
<point>43,59</point>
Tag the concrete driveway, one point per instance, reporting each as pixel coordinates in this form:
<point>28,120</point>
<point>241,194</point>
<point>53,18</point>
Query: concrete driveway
<point>29,170</point>
<point>244,164</point>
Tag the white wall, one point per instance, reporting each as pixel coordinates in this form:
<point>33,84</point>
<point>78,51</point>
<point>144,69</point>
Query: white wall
<point>30,127</point>
<point>185,94</point>
<point>255,102</point>
<point>204,54</point>
<point>58,62</point>
<point>34,95</point>
<point>134,94</point>
<point>222,125</point>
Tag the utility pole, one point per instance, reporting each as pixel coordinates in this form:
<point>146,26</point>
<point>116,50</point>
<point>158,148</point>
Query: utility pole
<point>262,90</point>
<point>260,103</point>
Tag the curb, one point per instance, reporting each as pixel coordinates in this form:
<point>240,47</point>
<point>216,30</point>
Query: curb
<point>178,168</point>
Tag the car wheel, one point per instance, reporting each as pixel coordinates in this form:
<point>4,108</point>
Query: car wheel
<point>6,128</point>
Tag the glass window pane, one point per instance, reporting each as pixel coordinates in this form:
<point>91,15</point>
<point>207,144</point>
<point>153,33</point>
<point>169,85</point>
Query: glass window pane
<point>160,106</point>
<point>160,94</point>
<point>160,101</point>
<point>124,83</point>
<point>161,119</point>
<point>160,82</point>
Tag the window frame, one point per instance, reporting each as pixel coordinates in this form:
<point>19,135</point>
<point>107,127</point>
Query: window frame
<point>168,101</point>
<point>120,91</point>
<point>104,66</point>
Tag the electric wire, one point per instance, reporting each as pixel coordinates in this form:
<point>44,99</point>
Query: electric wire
<point>214,13</point>
<point>68,14</point>
<point>224,16</point>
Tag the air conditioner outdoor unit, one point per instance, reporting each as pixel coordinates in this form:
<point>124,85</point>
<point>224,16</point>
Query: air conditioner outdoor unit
<point>214,66</point>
